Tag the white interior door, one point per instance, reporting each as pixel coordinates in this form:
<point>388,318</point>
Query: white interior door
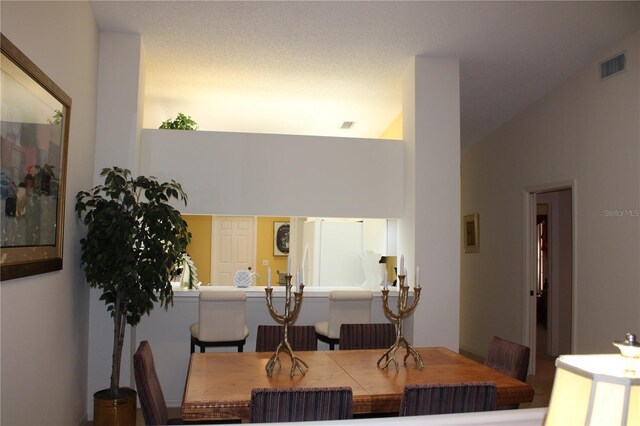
<point>233,247</point>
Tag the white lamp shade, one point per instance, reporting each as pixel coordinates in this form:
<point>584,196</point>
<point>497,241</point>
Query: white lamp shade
<point>595,390</point>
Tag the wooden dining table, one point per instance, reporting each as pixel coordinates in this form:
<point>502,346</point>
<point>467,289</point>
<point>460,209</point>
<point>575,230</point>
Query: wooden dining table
<point>219,384</point>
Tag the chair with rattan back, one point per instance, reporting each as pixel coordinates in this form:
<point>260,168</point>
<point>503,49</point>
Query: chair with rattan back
<point>367,336</point>
<point>269,405</point>
<point>424,399</point>
<point>301,337</point>
<point>509,358</point>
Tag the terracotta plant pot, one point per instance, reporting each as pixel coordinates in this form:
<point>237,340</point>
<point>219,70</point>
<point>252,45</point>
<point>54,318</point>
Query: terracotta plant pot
<point>110,411</point>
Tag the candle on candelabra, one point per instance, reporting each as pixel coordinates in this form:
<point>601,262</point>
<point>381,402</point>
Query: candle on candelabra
<point>384,282</point>
<point>288,265</point>
<point>401,269</point>
<point>417,276</point>
<point>405,308</point>
<point>291,309</point>
<point>269,277</point>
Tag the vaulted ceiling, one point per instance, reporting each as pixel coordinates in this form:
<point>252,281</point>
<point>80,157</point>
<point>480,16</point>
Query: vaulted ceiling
<point>305,67</point>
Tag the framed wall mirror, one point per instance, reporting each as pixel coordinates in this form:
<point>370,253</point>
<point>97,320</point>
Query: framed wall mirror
<point>34,138</point>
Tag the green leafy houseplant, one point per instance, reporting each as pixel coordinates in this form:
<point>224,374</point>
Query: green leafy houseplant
<point>181,122</point>
<point>134,240</point>
<point>186,272</point>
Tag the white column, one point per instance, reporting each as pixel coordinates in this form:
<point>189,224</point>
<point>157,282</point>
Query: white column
<point>120,99</point>
<point>118,130</point>
<point>429,231</point>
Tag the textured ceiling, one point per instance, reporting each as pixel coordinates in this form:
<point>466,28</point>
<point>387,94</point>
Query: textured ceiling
<point>305,67</point>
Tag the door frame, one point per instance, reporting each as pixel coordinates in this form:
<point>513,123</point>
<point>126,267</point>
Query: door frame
<point>529,281</point>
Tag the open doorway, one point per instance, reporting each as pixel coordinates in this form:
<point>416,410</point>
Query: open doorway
<point>550,277</point>
<point>555,279</point>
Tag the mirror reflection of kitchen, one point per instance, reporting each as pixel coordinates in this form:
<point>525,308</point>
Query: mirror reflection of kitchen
<point>326,252</point>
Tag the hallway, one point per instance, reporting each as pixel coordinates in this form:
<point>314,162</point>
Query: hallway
<point>542,381</point>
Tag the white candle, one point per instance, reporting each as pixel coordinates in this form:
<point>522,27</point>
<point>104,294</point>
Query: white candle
<point>401,269</point>
<point>269,277</point>
<point>299,276</point>
<point>385,279</point>
<point>288,265</point>
<point>417,276</point>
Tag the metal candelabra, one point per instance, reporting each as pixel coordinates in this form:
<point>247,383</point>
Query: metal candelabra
<point>403,311</point>
<point>287,319</point>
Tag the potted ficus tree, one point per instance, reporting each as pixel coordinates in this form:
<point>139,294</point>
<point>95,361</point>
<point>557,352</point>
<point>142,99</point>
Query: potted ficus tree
<point>134,241</point>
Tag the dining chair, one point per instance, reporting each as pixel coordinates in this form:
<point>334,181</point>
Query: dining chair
<point>367,336</point>
<point>424,399</point>
<point>509,358</point>
<point>221,320</point>
<point>301,337</point>
<point>345,307</point>
<point>152,402</point>
<point>270,405</point>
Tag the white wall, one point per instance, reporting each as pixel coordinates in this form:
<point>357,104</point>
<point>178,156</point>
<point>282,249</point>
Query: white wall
<point>44,318</point>
<point>563,311</point>
<point>278,175</point>
<point>585,131</point>
<point>429,231</point>
<point>120,95</point>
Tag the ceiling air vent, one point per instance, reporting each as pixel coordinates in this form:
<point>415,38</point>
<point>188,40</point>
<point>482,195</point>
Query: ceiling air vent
<point>347,124</point>
<point>612,66</point>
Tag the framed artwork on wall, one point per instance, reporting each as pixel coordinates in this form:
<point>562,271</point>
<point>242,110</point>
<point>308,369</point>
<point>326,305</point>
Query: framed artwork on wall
<point>280,238</point>
<point>34,136</point>
<point>470,230</point>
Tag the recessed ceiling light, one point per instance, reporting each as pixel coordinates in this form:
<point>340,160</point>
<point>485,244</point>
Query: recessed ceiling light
<point>347,125</point>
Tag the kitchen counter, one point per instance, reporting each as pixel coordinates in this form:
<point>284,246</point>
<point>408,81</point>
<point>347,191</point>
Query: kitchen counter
<point>278,291</point>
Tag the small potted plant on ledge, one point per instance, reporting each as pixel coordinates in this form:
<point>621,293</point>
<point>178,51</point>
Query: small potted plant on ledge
<point>181,122</point>
<point>134,241</point>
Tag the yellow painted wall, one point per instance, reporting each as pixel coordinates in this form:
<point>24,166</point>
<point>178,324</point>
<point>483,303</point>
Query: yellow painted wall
<point>200,247</point>
<point>394,131</point>
<point>264,250</point>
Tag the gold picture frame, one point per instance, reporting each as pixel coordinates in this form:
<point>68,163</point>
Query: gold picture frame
<point>34,138</point>
<point>471,234</point>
